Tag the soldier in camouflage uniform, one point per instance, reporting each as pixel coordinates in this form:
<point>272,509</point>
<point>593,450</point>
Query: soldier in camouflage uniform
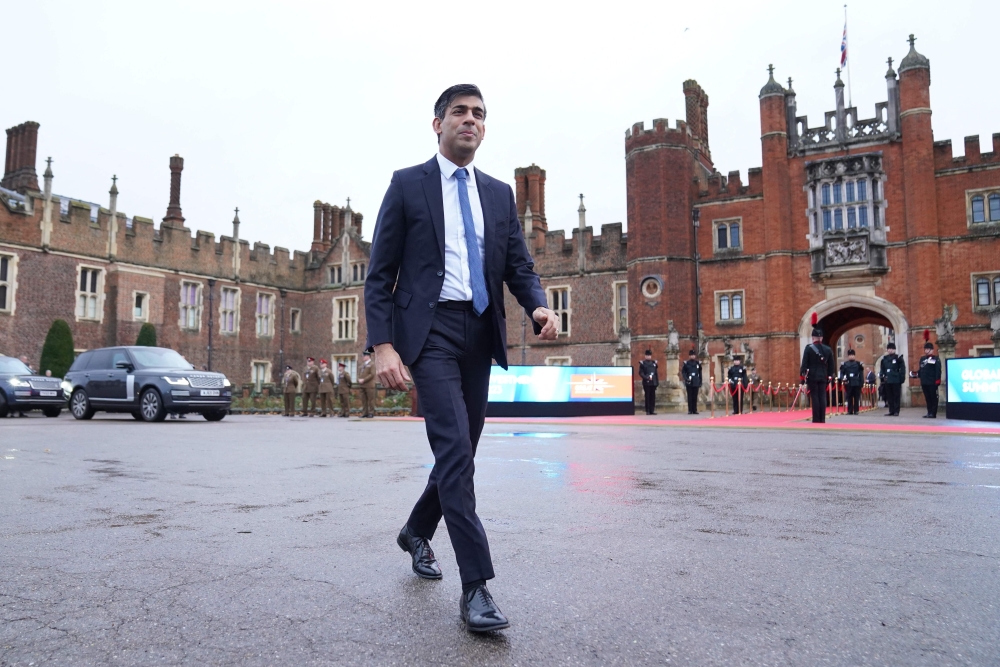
<point>310,388</point>
<point>326,383</point>
<point>366,379</point>
<point>344,390</point>
<point>292,381</point>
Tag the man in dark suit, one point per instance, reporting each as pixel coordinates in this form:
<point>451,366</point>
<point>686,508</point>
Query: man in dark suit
<point>446,239</point>
<point>817,367</point>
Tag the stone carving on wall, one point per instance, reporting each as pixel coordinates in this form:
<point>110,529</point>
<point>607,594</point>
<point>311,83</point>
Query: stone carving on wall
<point>728,345</point>
<point>851,165</point>
<point>673,338</point>
<point>849,251</point>
<point>702,344</point>
<point>945,325</point>
<point>747,354</point>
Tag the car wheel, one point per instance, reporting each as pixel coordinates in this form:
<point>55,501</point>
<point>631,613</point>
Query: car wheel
<point>151,406</point>
<point>214,415</point>
<point>79,405</point>
<point>3,405</point>
<point>51,412</point>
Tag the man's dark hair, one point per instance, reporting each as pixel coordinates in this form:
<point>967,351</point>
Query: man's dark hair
<point>460,90</point>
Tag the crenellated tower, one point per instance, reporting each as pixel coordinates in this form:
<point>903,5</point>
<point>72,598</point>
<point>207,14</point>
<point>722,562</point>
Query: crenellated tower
<point>664,170</point>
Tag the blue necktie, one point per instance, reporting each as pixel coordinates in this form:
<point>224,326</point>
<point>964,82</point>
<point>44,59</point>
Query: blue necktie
<point>480,297</point>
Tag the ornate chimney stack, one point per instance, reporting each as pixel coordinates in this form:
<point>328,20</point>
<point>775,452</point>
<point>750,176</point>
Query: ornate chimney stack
<point>19,166</point>
<point>237,250</point>
<point>113,220</point>
<point>47,208</point>
<point>174,217</point>
<point>581,247</point>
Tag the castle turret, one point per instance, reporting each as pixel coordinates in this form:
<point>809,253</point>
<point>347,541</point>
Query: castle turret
<point>663,170</point>
<point>919,187</point>
<point>779,313</point>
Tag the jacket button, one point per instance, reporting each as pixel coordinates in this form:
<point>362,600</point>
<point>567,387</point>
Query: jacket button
<point>440,273</point>
<point>430,304</point>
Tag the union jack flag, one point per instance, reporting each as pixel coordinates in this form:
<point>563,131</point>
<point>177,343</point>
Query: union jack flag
<point>843,47</point>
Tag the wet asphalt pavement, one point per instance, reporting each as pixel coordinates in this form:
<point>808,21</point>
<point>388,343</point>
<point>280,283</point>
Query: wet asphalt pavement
<point>269,541</point>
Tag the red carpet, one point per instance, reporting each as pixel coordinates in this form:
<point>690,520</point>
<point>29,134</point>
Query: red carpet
<point>795,419</point>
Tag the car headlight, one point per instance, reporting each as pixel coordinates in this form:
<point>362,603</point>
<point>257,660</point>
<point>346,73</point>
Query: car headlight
<point>180,382</point>
<point>18,382</point>
<point>67,387</point>
<point>226,382</point>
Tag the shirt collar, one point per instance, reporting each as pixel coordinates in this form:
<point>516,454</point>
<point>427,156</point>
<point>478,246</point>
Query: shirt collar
<point>448,169</point>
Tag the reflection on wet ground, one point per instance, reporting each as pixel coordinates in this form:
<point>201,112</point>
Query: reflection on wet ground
<point>274,543</point>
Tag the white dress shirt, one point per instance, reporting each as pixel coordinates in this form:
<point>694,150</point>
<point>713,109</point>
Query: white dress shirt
<point>457,280</point>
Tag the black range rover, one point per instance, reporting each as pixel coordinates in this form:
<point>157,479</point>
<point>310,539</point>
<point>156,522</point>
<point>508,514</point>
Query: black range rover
<point>21,390</point>
<point>147,382</point>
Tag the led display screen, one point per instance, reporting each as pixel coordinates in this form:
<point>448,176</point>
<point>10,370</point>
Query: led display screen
<point>974,389</point>
<point>554,391</point>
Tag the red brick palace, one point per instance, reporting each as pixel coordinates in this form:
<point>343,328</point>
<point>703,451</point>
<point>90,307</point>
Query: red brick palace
<point>867,222</point>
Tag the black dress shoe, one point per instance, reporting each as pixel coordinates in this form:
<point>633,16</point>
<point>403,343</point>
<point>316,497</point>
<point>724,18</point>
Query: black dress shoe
<point>479,612</point>
<point>419,548</point>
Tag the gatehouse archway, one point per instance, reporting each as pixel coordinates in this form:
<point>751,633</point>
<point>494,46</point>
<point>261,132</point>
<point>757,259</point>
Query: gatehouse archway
<point>843,313</point>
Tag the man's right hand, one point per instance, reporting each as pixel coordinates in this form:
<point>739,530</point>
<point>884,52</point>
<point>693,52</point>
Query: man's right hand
<point>389,367</point>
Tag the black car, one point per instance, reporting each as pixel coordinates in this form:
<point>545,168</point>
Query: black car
<point>21,390</point>
<point>146,382</point>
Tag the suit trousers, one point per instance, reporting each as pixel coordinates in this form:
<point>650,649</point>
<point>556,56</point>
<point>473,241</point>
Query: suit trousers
<point>452,376</point>
<point>309,402</point>
<point>692,393</point>
<point>931,397</point>
<point>289,404</point>
<point>853,399</point>
<point>650,392</point>
<point>817,396</point>
<point>893,391</point>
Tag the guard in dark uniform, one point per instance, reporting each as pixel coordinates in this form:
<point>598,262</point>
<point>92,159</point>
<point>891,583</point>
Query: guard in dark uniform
<point>816,369</point>
<point>851,374</point>
<point>893,374</point>
<point>930,377</point>
<point>650,375</point>
<point>738,376</point>
<point>691,375</point>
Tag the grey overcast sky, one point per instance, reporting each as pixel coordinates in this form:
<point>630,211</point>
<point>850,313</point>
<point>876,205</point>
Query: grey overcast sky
<point>276,104</point>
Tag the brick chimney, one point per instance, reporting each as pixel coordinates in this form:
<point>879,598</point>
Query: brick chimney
<point>174,217</point>
<point>19,167</point>
<point>696,107</point>
<point>530,187</point>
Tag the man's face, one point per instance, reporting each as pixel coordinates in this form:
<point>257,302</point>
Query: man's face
<point>462,129</point>
<point>649,357</point>
<point>693,357</point>
<point>736,361</point>
<point>928,350</point>
<point>850,357</point>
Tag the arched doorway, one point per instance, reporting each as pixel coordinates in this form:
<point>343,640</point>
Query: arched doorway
<point>844,313</point>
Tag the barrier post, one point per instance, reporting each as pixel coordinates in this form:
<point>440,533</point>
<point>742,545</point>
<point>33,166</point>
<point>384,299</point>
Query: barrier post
<point>770,396</point>
<point>739,396</point>
<point>711,395</point>
<point>725,388</point>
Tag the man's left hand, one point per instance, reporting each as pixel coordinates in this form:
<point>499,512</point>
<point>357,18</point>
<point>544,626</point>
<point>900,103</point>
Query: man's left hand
<point>549,322</point>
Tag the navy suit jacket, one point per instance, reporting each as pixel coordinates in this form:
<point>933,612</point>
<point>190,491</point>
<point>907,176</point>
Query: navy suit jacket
<point>406,268</point>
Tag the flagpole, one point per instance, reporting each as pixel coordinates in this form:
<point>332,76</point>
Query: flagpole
<point>850,102</point>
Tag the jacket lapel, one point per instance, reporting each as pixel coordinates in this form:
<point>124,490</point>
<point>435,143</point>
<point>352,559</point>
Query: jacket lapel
<point>483,183</point>
<point>435,201</point>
